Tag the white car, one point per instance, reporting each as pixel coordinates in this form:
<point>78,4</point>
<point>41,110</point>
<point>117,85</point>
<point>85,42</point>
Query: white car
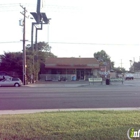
<point>16,82</point>
<point>2,77</point>
<point>129,76</point>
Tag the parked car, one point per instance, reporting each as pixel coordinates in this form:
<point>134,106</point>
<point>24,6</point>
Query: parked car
<point>16,82</point>
<point>129,76</point>
<point>3,77</point>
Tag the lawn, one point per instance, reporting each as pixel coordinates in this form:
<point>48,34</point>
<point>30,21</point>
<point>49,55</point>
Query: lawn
<point>75,125</point>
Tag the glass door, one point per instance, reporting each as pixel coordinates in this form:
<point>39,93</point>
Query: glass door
<point>80,74</point>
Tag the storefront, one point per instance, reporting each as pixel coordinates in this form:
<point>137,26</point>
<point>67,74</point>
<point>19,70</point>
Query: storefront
<point>71,69</point>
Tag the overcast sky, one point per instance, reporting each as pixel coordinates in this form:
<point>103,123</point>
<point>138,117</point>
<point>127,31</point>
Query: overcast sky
<point>78,27</point>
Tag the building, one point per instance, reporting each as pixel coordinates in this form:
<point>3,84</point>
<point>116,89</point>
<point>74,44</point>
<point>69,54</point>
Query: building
<point>58,69</point>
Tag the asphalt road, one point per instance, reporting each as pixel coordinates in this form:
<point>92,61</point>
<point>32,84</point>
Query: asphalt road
<point>116,96</point>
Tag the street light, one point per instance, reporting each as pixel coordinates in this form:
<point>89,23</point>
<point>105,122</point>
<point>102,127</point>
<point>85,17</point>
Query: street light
<point>40,18</point>
<point>36,36</point>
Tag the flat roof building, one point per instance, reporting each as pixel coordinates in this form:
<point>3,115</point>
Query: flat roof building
<point>58,69</point>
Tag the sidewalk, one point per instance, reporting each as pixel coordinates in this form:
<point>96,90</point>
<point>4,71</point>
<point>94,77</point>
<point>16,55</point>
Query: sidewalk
<point>30,111</point>
<point>59,84</point>
<point>74,84</point>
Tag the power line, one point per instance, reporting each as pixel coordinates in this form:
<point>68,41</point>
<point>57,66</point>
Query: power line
<point>10,42</point>
<point>79,43</point>
<point>17,4</point>
<point>55,8</point>
<point>82,43</point>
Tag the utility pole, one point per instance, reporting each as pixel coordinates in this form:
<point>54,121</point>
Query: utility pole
<point>133,64</point>
<point>24,48</point>
<point>121,63</point>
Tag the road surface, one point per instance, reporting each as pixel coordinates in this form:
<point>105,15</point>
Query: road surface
<point>12,98</point>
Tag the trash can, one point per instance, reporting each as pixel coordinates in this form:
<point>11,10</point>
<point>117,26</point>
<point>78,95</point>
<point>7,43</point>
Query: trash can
<point>107,81</point>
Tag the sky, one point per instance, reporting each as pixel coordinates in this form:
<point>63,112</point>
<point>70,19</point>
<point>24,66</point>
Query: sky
<point>77,28</point>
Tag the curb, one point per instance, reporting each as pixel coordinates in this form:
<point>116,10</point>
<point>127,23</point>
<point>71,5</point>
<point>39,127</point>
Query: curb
<point>6,112</point>
<point>56,85</point>
<point>74,85</point>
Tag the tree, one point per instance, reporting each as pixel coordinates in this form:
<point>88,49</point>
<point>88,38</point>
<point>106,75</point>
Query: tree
<point>112,64</point>
<point>119,70</point>
<point>102,56</point>
<point>36,59</point>
<point>135,67</point>
<point>12,61</point>
<point>104,59</point>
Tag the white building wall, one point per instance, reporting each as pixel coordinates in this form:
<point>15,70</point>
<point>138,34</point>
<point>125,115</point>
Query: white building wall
<point>136,75</point>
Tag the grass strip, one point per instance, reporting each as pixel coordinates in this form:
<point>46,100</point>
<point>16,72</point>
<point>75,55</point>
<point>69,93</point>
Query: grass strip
<point>75,125</point>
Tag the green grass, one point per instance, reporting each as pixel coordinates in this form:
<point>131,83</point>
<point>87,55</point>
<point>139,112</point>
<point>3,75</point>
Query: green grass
<point>82,125</point>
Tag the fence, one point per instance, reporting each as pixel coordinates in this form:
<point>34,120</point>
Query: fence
<point>56,77</point>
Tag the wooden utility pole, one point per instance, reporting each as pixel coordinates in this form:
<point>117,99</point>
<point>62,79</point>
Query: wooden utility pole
<point>121,63</point>
<point>24,48</point>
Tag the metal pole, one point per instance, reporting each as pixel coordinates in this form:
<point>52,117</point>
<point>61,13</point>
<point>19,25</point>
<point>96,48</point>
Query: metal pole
<point>32,45</point>
<point>36,41</point>
<point>48,33</point>
<point>24,49</point>
<point>36,53</point>
<point>32,32</point>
